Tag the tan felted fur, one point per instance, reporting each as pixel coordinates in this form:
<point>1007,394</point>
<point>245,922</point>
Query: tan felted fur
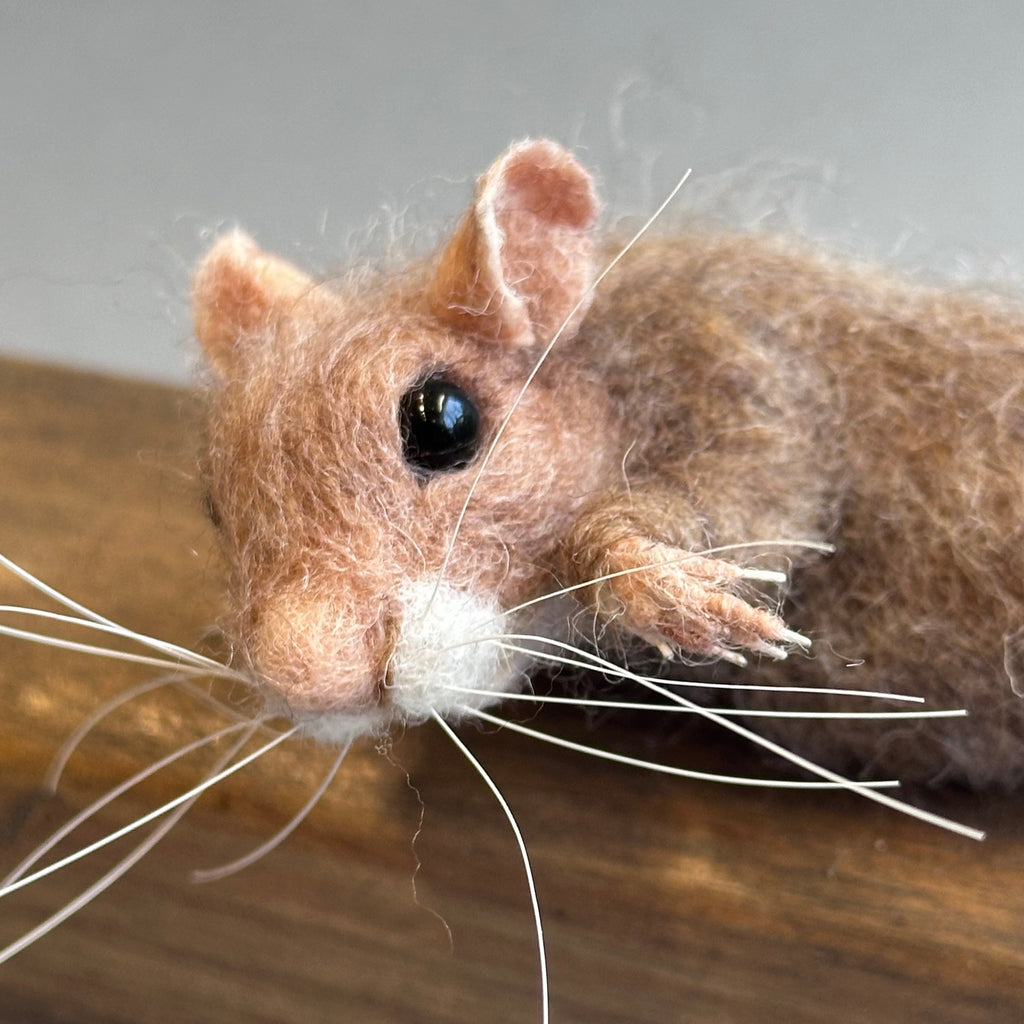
<point>714,391</point>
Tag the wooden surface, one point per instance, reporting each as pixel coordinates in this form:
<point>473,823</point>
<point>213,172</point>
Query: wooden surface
<point>664,900</point>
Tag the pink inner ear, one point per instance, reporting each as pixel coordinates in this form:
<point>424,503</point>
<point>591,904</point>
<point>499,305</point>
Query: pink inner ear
<point>238,294</point>
<point>556,189</point>
<point>522,259</point>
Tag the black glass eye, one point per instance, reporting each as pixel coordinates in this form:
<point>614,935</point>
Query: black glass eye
<point>440,426</point>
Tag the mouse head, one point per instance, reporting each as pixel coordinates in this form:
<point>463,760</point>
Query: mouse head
<point>347,426</point>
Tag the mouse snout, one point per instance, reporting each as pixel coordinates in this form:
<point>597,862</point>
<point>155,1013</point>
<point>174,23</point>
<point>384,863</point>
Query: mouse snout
<point>431,649</point>
<point>317,655</point>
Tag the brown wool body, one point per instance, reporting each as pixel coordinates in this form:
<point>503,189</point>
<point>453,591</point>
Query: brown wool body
<point>714,390</point>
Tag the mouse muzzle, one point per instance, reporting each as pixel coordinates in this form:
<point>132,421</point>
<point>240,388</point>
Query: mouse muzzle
<point>432,649</point>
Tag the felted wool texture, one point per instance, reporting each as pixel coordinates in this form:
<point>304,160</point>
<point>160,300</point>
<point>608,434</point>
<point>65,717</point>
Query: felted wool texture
<point>322,521</point>
<point>720,390</point>
<point>831,402</point>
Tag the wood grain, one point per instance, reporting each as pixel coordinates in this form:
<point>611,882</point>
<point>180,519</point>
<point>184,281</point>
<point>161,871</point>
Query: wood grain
<point>664,900</point>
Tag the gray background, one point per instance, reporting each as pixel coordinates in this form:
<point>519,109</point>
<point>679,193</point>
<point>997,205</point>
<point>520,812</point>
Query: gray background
<point>131,133</point>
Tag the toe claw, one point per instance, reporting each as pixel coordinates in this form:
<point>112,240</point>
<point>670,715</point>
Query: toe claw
<point>790,636</point>
<point>770,651</point>
<point>732,657</point>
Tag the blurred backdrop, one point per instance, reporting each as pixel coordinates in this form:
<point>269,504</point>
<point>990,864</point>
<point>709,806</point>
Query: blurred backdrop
<point>130,133</point>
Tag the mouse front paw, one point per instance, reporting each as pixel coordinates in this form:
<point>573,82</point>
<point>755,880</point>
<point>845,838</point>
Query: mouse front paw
<point>676,600</point>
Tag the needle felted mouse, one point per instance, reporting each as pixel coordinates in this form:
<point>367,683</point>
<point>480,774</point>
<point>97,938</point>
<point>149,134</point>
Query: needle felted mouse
<point>729,451</point>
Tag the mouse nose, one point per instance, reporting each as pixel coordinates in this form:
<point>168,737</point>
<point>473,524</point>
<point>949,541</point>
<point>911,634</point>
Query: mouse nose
<point>316,654</point>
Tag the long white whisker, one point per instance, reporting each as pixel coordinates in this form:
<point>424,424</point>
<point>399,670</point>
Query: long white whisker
<point>534,901</point>
<point>186,659</point>
<point>655,766</point>
<point>215,874</point>
<point>860,788</point>
<point>585,297</point>
<point>53,774</point>
<point>152,815</point>
<point>802,762</point>
<point>56,595</point>
<point>594,662</point>
<point>120,869</point>
<point>108,797</point>
<point>824,547</point>
<point>52,778</point>
<point>620,705</point>
<point>821,691</point>
<point>107,652</point>
<point>101,627</point>
<point>160,645</point>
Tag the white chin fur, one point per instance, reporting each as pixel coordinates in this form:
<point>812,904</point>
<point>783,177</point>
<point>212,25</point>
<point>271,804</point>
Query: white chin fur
<point>443,644</point>
<point>446,642</point>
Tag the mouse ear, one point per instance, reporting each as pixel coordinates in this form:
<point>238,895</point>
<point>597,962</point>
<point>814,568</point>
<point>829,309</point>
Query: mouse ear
<point>238,293</point>
<point>522,259</point>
